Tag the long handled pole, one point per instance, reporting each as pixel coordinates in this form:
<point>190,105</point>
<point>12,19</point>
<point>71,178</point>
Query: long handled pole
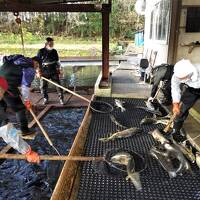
<point>60,86</point>
<point>43,131</point>
<point>51,157</point>
<point>168,126</point>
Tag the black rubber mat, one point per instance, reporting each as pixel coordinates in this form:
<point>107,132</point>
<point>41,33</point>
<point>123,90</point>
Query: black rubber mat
<point>155,181</point>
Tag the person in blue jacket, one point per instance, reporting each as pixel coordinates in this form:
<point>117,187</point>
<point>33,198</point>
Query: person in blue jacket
<point>19,71</point>
<point>10,134</point>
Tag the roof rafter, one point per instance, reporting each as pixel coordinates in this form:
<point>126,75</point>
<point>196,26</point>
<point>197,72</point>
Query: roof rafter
<point>57,6</point>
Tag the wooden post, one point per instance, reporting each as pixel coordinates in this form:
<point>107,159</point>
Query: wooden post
<point>106,9</point>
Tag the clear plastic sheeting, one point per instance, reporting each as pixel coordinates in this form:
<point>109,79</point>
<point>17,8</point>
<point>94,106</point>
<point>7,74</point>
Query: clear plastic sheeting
<point>11,136</point>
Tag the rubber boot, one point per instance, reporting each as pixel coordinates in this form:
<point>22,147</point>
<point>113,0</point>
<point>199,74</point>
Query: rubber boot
<point>61,98</point>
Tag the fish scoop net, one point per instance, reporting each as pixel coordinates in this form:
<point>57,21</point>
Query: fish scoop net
<point>101,107</point>
<point>107,167</point>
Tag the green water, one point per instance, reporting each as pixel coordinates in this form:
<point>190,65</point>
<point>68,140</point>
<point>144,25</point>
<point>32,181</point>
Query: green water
<point>80,76</point>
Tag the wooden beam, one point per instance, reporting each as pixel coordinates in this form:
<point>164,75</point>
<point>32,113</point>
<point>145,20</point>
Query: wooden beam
<point>62,7</point>
<point>174,31</point>
<point>41,114</point>
<point>68,174</point>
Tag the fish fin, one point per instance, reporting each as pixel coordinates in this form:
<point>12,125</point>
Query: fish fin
<point>123,109</point>
<point>127,178</point>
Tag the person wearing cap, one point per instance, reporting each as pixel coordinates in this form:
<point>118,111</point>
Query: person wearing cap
<point>10,134</point>
<point>50,69</point>
<point>19,71</point>
<point>162,74</point>
<point>188,74</point>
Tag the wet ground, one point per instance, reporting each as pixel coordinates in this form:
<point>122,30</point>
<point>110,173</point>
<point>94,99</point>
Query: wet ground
<point>20,180</point>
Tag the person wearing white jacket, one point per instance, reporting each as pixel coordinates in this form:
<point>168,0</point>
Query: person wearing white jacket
<point>10,134</point>
<point>184,73</point>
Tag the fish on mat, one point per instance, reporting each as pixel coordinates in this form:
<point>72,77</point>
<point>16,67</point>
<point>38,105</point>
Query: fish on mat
<point>187,152</point>
<point>127,159</point>
<point>121,158</point>
<point>152,120</point>
<point>156,112</point>
<point>162,158</point>
<point>122,134</point>
<point>119,104</point>
<point>172,151</point>
<point>113,119</point>
<point>198,159</point>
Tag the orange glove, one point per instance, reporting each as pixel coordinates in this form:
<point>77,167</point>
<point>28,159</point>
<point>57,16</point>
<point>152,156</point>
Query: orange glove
<point>38,73</point>
<point>28,104</point>
<point>32,156</point>
<point>176,108</point>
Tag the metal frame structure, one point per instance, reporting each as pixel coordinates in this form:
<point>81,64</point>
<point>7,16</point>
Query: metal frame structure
<point>69,6</point>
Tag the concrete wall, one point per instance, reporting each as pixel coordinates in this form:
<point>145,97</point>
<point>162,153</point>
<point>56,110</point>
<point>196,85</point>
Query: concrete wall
<point>185,38</point>
<point>161,47</point>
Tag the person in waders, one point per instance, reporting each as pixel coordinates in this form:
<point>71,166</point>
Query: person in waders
<point>50,69</point>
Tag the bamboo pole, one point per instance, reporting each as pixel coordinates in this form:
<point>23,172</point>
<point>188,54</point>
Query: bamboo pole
<point>75,94</point>
<point>43,131</point>
<point>51,157</point>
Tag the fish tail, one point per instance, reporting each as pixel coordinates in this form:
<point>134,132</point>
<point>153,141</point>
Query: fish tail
<point>123,109</point>
<point>103,139</point>
<point>136,183</point>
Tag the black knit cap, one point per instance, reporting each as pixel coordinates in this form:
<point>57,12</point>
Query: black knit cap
<point>49,39</point>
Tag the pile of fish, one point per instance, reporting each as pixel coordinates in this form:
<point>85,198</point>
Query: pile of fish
<point>127,159</point>
<point>167,153</point>
<point>122,134</point>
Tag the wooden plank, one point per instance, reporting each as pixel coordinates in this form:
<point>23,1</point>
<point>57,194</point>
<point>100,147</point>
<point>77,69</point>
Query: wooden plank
<point>41,114</point>
<point>68,174</point>
<point>5,149</point>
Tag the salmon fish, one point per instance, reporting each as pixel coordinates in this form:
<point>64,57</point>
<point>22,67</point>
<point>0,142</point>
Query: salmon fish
<point>122,134</point>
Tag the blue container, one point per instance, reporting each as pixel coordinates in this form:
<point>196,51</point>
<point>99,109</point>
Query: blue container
<point>139,38</point>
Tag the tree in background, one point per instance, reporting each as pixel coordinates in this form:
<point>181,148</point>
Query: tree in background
<point>123,22</point>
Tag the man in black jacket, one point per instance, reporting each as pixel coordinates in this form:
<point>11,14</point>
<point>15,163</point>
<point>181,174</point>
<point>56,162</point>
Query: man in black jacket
<point>162,73</point>
<point>50,69</point>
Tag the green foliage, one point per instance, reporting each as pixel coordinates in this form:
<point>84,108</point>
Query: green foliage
<point>123,23</point>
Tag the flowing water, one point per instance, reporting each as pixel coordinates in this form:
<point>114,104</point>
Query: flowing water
<point>20,180</point>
